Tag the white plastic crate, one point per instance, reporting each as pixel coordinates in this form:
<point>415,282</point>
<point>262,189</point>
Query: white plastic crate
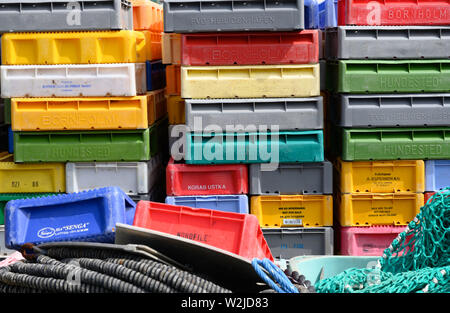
<point>133,178</point>
<point>3,250</point>
<point>93,80</point>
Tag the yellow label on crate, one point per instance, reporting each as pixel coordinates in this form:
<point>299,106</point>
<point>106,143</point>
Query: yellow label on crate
<point>157,105</point>
<point>290,211</point>
<point>31,178</point>
<point>378,209</point>
<point>44,114</point>
<point>93,47</point>
<point>381,176</point>
<point>176,110</point>
<point>252,81</point>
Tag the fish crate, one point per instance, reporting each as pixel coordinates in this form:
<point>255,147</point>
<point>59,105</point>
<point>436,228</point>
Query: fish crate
<point>224,203</point>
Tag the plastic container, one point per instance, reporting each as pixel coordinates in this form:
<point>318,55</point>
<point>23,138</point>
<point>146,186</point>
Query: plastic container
<point>82,146</point>
<point>401,12</point>
<point>255,147</point>
<point>46,114</point>
<point>94,47</point>
<point>395,143</point>
<point>320,14</point>
<point>3,250</point>
<point>232,203</point>
<point>224,15</point>
<point>171,48</point>
<point>173,80</point>
<point>156,75</point>
<point>286,243</point>
<point>157,106</point>
<point>192,180</point>
<point>30,178</point>
<point>10,140</point>
<point>153,45</point>
<point>5,197</point>
<point>85,216</point>
<point>296,179</point>
<point>378,208</point>
<point>60,15</point>
<point>390,110</point>
<point>177,141</point>
<point>176,110</point>
<point>367,241</point>
<point>250,48</point>
<point>132,177</point>
<point>381,176</point>
<point>437,173</point>
<point>233,232</point>
<point>250,81</point>
<point>147,15</point>
<point>388,76</point>
<point>288,113</point>
<point>387,42</point>
<point>94,80</point>
<point>312,267</point>
<point>293,210</point>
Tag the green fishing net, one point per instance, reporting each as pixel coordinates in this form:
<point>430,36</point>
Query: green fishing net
<point>418,260</point>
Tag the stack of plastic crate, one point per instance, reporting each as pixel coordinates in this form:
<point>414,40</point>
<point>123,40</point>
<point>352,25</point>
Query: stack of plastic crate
<point>248,75</point>
<point>74,80</point>
<point>389,110</point>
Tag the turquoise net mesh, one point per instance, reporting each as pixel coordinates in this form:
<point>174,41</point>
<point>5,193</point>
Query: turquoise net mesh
<point>418,260</point>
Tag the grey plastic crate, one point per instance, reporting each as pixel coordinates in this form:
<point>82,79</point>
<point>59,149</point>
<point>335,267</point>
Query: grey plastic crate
<point>380,110</point>
<point>387,42</point>
<point>287,113</point>
<point>292,179</point>
<point>132,177</point>
<point>177,135</point>
<point>186,16</point>
<point>286,243</point>
<point>63,15</point>
<point>3,250</point>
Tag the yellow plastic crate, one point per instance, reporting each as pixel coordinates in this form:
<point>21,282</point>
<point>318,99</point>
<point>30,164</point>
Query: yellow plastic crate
<point>381,176</point>
<point>253,81</point>
<point>157,105</point>
<point>32,177</point>
<point>96,47</point>
<point>44,114</point>
<point>153,45</point>
<point>378,209</point>
<point>176,110</point>
<point>171,48</point>
<point>293,210</point>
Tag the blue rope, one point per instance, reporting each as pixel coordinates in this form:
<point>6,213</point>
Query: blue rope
<point>276,273</point>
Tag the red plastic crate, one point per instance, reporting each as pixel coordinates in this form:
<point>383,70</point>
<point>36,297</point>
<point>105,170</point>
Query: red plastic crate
<point>198,180</point>
<point>250,48</point>
<point>394,12</point>
<point>367,241</point>
<point>233,232</point>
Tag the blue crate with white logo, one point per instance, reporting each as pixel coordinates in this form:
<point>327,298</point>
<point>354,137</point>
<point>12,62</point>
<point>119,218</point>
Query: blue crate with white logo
<point>225,203</point>
<point>321,14</point>
<point>156,75</point>
<point>85,216</point>
<point>437,174</point>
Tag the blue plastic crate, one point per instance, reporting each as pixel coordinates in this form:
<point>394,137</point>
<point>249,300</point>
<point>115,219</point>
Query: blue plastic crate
<point>437,174</point>
<point>156,75</point>
<point>321,14</point>
<point>234,204</point>
<point>10,140</point>
<point>85,216</point>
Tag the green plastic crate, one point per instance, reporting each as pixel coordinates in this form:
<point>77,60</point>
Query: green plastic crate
<point>159,140</point>
<point>387,76</point>
<point>5,197</point>
<point>250,147</point>
<point>88,146</point>
<point>7,111</point>
<point>395,143</point>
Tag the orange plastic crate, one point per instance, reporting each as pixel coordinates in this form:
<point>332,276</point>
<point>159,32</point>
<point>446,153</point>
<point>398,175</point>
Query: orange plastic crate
<point>173,80</point>
<point>147,15</point>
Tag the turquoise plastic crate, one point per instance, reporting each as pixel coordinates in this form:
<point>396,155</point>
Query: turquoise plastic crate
<point>255,147</point>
